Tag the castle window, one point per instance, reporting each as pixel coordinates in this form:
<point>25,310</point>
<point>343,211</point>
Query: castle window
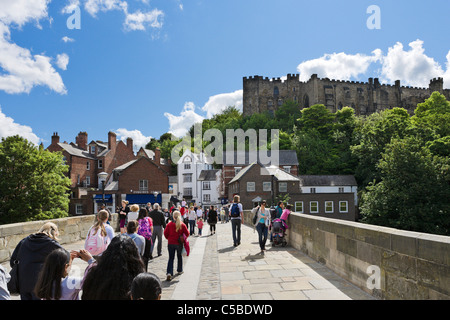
<point>276,92</point>
<point>280,102</point>
<point>305,101</point>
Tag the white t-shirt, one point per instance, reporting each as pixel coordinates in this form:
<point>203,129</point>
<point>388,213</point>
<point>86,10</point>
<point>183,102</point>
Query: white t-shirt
<point>199,212</point>
<point>240,210</point>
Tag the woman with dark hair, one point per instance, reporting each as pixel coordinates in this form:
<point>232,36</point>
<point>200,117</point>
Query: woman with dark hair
<point>111,277</point>
<point>54,282</point>
<point>146,286</point>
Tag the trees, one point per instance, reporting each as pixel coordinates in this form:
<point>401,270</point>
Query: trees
<point>33,185</point>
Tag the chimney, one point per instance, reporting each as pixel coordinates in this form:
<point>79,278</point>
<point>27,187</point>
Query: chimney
<point>55,138</point>
<point>130,144</point>
<point>82,140</point>
<point>111,140</point>
<point>157,159</point>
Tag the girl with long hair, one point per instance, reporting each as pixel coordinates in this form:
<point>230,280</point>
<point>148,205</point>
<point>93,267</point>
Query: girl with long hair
<point>174,231</point>
<point>111,277</point>
<point>54,282</point>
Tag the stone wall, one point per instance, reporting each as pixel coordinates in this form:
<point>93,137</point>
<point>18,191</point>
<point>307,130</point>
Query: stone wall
<point>71,229</point>
<point>408,265</point>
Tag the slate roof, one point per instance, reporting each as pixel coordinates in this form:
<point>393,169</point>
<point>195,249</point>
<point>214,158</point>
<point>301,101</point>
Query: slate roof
<point>327,180</point>
<point>275,171</point>
<point>208,175</point>
<point>75,151</point>
<point>244,158</point>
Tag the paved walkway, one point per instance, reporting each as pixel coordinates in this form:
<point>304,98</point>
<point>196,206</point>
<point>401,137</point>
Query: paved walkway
<point>216,270</point>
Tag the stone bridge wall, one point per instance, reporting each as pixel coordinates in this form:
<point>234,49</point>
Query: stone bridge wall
<point>409,265</point>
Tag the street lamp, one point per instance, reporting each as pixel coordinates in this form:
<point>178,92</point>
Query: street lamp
<point>102,176</point>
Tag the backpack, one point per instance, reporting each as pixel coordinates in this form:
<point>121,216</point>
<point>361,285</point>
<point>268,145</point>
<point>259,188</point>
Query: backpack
<point>96,243</point>
<point>145,228</point>
<point>235,211</point>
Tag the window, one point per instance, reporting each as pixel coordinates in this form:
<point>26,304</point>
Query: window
<point>93,149</point>
<point>267,186</point>
<point>88,165</point>
<point>343,206</point>
<point>287,169</point>
<point>313,206</point>
<point>100,164</point>
<point>206,185</point>
<point>312,190</point>
<point>206,198</point>
<point>143,185</point>
<point>236,170</point>
<point>282,186</point>
<point>299,206</point>
<point>187,191</point>
<point>187,166</point>
<point>187,177</point>
<point>341,190</point>
<point>87,181</point>
<point>79,209</point>
<point>329,206</point>
<point>251,186</point>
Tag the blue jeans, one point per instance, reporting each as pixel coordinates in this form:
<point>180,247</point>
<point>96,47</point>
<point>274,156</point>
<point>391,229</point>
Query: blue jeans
<point>262,234</point>
<point>191,227</point>
<point>236,229</point>
<point>172,249</point>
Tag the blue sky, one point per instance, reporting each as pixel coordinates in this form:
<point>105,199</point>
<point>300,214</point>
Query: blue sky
<point>144,67</point>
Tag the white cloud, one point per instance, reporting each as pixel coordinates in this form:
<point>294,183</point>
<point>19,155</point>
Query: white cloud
<point>180,125</point>
<point>20,12</point>
<point>10,128</point>
<point>338,65</point>
<point>412,67</point>
<point>139,139</point>
<point>139,20</point>
<point>67,39</point>
<point>22,70</point>
<point>62,60</point>
<point>220,102</point>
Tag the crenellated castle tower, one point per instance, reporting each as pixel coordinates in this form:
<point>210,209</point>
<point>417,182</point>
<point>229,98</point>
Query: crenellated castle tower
<point>264,94</point>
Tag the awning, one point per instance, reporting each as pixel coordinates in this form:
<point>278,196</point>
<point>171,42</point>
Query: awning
<point>257,199</point>
<point>98,198</point>
<point>143,198</point>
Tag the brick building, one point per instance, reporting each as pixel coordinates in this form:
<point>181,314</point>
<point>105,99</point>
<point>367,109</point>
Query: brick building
<point>326,196</point>
<point>86,160</point>
<point>234,162</point>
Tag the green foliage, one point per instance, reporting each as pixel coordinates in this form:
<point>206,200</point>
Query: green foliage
<point>413,193</point>
<point>33,185</point>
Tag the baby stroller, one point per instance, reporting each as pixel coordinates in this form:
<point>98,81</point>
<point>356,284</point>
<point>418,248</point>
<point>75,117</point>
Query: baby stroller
<point>278,233</point>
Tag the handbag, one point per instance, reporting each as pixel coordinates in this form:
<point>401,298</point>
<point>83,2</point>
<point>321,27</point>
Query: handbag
<point>13,284</point>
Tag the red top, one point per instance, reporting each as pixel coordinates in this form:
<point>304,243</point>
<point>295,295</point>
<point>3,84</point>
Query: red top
<point>171,234</point>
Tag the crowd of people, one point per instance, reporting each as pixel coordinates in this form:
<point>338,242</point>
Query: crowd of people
<point>118,264</point>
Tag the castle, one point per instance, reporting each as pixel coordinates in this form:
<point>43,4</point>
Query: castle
<point>264,94</point>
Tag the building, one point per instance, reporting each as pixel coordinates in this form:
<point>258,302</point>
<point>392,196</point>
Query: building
<point>139,181</point>
<point>234,162</point>
<point>332,196</point>
<point>197,179</point>
<point>264,94</point>
<point>210,187</point>
<point>325,196</point>
<point>88,162</point>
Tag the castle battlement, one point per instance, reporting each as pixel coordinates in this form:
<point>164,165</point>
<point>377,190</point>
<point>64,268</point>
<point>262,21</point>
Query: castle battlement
<point>267,94</point>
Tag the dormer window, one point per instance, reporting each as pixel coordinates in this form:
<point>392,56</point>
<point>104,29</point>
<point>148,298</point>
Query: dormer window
<point>92,149</point>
